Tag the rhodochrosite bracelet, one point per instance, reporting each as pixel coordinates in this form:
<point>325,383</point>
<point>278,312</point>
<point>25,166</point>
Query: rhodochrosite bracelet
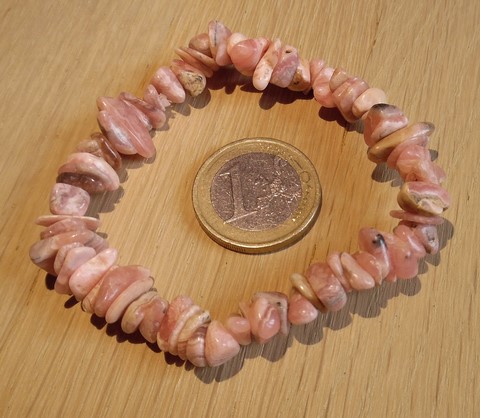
<point>85,266</point>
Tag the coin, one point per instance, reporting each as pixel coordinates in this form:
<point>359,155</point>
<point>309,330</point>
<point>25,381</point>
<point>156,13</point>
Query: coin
<point>257,195</point>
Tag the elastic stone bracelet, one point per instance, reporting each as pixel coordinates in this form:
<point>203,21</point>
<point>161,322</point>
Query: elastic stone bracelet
<point>85,266</point>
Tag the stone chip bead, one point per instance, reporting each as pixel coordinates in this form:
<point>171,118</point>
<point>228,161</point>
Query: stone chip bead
<point>372,241</point>
<point>345,95</point>
<point>156,115</point>
<point>415,164</point>
<point>167,83</point>
<point>200,319</point>
<point>428,236</point>
<point>358,278</point>
<point>88,275</point>
<point>146,313</point>
<point>423,198</point>
<point>101,147</point>
<point>380,151</point>
<point>218,35</point>
<point>195,350</point>
<point>286,67</point>
<point>246,54</point>
<point>326,286</point>
<point>114,283</point>
<point>74,258</point>
<point>264,318</point>
<point>43,252</point>
<point>381,120</point>
<point>90,166</point>
<point>300,310</point>
<point>65,225</point>
<point>263,71</point>
<point>239,327</point>
<point>415,218</point>
<point>301,78</point>
<point>191,79</point>
<point>403,258</point>
<point>201,43</point>
<point>369,98</point>
<point>66,199</point>
<point>220,346</point>
<point>300,283</point>
<point>177,307</point>
<point>320,78</point>
<point>185,55</point>
<point>126,123</point>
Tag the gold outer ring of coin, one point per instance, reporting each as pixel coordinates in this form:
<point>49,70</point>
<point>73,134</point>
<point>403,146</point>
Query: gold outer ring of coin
<point>263,241</point>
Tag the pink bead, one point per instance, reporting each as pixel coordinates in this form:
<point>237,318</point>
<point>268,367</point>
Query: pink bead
<point>156,116</point>
<point>382,120</point>
<point>326,286</point>
<point>184,54</point>
<point>300,310</point>
<point>48,220</point>
<point>317,65</point>
<point>165,81</point>
<point>66,199</point>
<point>43,252</point>
<point>218,35</point>
<point>220,346</point>
<point>65,225</point>
<point>61,254</point>
<point>339,77</point>
<point>346,94</point>
<point>131,122</point>
<point>367,99</point>
<point>428,236</point>
<point>333,261</point>
<point>182,320</point>
<point>239,327</point>
<point>74,258</point>
<point>233,40</point>
<point>280,302</point>
<point>321,88</point>
<point>358,278</point>
<point>301,79</point>
<point>287,64</point>
<point>403,259</point>
<point>191,79</point>
<point>246,54</point>
<point>264,319</point>
<point>146,312</point>
<point>194,322</point>
<point>201,43</point>
<point>263,71</point>
<point>87,276</point>
<point>415,218</point>
<point>370,264</point>
<point>125,298</point>
<point>175,310</point>
<point>373,242</point>
<point>195,350</point>
<point>415,164</point>
<point>421,140</point>
<point>90,165</point>
<point>156,99</point>
<point>407,235</point>
<point>115,282</point>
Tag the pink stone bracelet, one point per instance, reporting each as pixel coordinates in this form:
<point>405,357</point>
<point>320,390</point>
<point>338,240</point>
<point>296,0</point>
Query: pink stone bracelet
<point>85,266</point>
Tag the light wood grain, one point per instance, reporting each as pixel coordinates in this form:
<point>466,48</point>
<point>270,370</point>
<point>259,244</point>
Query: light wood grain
<point>409,349</point>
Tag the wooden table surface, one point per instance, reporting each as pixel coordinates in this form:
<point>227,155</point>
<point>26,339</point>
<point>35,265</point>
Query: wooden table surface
<point>408,349</point>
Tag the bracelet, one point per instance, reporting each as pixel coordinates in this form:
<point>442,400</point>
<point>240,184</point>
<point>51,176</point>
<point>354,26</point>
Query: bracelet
<point>85,266</point>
